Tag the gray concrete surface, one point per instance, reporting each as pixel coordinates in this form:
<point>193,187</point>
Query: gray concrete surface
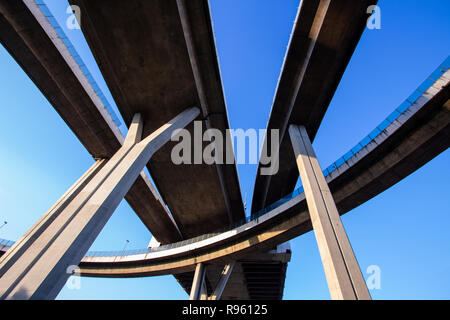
<point>324,38</point>
<point>42,269</point>
<point>344,277</point>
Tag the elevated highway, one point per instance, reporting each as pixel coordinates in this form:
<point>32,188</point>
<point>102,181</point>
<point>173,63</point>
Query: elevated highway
<point>174,67</point>
<point>324,38</point>
<point>168,63</point>
<point>415,133</point>
<point>412,135</point>
<point>49,59</point>
<point>179,72</point>
<point>182,71</point>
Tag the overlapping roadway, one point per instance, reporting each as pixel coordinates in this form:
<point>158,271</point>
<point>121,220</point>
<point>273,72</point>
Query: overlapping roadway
<point>172,65</point>
<point>415,133</point>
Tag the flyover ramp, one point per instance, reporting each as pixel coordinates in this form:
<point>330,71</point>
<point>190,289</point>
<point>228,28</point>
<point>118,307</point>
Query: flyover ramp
<point>415,133</point>
<point>324,38</point>
<point>168,62</point>
<point>438,143</point>
<point>33,37</point>
<point>159,58</point>
<point>45,54</point>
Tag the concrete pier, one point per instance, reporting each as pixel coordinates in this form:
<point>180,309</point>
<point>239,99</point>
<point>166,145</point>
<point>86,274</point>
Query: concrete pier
<point>38,228</point>
<point>40,270</point>
<point>344,276</point>
<point>198,284</point>
<point>225,275</point>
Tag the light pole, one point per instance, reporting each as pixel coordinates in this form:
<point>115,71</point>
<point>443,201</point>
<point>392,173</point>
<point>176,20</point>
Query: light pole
<point>4,224</point>
<point>125,246</point>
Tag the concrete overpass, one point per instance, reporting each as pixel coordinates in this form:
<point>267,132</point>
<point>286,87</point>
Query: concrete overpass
<point>185,60</point>
<point>41,48</point>
<point>42,53</point>
<point>415,133</point>
<point>412,135</point>
<point>168,63</point>
<point>324,38</point>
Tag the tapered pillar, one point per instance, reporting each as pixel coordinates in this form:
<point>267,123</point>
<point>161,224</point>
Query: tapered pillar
<point>41,270</point>
<point>226,273</point>
<point>36,230</point>
<point>198,282</point>
<point>344,277</point>
<point>204,293</point>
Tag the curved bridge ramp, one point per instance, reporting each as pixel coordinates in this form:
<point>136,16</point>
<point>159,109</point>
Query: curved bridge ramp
<point>415,133</point>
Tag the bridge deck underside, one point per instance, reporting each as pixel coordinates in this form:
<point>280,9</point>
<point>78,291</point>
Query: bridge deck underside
<point>262,280</point>
<point>308,82</point>
<point>153,76</point>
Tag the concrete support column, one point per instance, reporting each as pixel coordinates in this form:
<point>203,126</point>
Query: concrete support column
<point>204,293</point>
<point>198,282</point>
<point>344,277</point>
<point>41,269</point>
<point>36,230</point>
<point>227,270</point>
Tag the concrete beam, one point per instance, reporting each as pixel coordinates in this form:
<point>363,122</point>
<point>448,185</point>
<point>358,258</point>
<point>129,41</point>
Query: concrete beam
<point>414,139</point>
<point>198,282</point>
<point>11,256</point>
<point>227,270</point>
<point>135,131</point>
<point>135,88</point>
<point>344,276</point>
<point>36,46</point>
<point>41,271</point>
<point>204,293</point>
<point>201,89</point>
<point>323,40</point>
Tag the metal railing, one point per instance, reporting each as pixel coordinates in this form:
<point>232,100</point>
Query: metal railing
<point>52,20</point>
<point>437,73</point>
<point>6,243</point>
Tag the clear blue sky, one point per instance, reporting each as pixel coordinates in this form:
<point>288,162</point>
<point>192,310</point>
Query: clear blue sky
<point>404,230</point>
